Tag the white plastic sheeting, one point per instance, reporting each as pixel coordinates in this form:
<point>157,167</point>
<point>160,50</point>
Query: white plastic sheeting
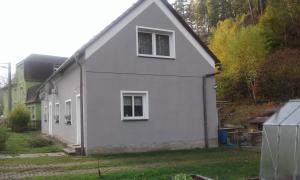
<point>280,152</point>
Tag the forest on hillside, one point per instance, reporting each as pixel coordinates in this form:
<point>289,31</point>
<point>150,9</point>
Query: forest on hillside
<point>257,42</point>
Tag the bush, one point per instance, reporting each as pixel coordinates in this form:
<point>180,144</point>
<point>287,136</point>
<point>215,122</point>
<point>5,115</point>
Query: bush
<point>19,118</point>
<point>40,142</point>
<point>3,138</point>
<point>279,77</point>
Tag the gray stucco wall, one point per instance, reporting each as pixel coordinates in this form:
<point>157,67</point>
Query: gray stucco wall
<point>174,86</point>
<point>68,88</point>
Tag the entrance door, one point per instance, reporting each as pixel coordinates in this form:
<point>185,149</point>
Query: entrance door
<point>50,118</point>
<point>78,116</point>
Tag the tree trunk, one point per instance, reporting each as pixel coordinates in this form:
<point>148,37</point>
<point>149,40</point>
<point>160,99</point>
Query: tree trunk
<point>261,6</point>
<point>251,11</point>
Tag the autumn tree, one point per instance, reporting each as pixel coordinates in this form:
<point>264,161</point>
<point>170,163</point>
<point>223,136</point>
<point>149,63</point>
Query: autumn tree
<point>279,75</point>
<point>241,51</point>
<point>281,24</point>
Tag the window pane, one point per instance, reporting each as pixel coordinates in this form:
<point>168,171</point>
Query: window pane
<point>138,106</point>
<point>57,109</point>
<point>145,43</point>
<point>33,113</point>
<point>162,45</point>
<point>68,108</point>
<point>127,106</point>
<point>138,100</point>
<point>127,100</point>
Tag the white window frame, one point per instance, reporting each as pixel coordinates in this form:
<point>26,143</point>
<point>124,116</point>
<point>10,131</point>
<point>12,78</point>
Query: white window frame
<point>69,100</point>
<point>154,32</point>
<point>57,113</point>
<point>145,95</point>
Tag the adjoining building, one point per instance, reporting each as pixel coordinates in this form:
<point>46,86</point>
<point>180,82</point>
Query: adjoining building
<point>146,82</point>
<point>30,74</point>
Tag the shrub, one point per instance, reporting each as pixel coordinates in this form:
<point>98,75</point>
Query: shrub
<point>3,138</point>
<point>19,118</point>
<point>279,77</point>
<point>40,142</point>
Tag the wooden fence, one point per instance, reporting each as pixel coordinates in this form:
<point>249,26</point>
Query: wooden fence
<point>34,125</point>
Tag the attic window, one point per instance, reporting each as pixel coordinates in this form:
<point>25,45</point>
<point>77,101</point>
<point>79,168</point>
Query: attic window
<point>157,43</point>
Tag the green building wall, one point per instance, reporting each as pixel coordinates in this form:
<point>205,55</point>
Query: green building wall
<point>19,92</point>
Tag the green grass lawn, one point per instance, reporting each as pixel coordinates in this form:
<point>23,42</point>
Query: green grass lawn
<point>17,143</point>
<point>219,163</point>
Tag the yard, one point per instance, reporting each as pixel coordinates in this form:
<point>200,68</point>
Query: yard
<point>219,163</point>
<point>17,143</point>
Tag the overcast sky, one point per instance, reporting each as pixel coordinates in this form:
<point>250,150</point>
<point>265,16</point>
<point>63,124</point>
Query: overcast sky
<point>52,27</point>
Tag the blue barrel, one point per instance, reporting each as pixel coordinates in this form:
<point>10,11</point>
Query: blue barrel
<point>223,136</point>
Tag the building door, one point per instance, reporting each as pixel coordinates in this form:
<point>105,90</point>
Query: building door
<point>78,116</point>
<point>50,118</point>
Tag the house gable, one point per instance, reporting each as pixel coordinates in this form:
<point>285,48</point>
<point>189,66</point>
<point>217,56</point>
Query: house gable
<point>119,54</point>
<point>173,87</point>
<point>129,16</point>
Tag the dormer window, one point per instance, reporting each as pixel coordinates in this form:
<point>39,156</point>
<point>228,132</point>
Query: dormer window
<point>153,42</point>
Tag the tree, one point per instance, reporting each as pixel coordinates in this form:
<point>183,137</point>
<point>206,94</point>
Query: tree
<point>221,35</point>
<point>182,7</point>
<point>281,24</point>
<point>219,10</point>
<point>199,18</point>
<point>247,52</point>
<point>279,76</point>
<point>241,51</point>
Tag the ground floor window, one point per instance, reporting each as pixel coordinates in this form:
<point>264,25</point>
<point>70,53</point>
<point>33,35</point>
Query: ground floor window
<point>134,105</point>
<point>31,110</point>
<point>68,112</point>
<point>56,113</point>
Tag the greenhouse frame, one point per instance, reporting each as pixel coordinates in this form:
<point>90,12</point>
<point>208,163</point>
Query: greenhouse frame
<point>280,151</point>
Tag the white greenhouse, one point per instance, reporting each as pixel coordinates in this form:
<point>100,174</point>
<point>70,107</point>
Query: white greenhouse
<point>280,153</point>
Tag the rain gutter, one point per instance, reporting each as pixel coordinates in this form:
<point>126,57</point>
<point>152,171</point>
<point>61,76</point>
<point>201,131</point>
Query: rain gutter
<point>76,58</point>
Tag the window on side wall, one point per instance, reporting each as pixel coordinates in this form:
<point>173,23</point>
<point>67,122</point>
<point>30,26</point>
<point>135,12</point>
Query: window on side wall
<point>32,113</point>
<point>134,105</point>
<point>45,115</point>
<point>68,112</point>
<point>56,113</point>
<point>153,42</point>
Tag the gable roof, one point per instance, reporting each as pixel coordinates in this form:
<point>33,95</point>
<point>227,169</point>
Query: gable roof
<point>82,50</point>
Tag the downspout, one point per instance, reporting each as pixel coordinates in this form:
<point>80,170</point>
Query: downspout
<point>205,106</point>
<point>82,149</point>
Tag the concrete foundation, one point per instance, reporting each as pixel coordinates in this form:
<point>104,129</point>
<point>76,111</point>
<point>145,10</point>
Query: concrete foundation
<point>176,145</point>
